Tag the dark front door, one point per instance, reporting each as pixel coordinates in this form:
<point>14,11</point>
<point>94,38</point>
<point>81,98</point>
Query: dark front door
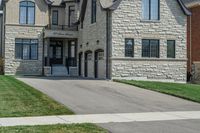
<point>96,65</point>
<point>80,63</point>
<point>86,64</point>
<point>56,52</point>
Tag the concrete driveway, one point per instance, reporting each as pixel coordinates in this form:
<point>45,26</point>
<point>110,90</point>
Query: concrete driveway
<point>99,97</point>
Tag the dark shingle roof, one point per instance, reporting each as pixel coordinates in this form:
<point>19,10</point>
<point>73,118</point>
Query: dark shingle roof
<point>190,1</point>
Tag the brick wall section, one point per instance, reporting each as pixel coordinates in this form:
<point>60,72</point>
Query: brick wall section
<point>195,37</point>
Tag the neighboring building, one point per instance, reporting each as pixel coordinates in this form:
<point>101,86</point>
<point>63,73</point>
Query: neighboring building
<point>1,29</point>
<point>193,39</point>
<point>121,39</point>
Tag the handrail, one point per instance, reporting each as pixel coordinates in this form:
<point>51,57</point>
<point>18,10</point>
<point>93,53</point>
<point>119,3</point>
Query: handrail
<point>62,27</point>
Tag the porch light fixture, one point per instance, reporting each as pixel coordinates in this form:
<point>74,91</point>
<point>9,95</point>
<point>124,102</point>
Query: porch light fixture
<point>98,42</point>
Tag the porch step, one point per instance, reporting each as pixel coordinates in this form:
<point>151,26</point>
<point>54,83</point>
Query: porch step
<point>59,70</point>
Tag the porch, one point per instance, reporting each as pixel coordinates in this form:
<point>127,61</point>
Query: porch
<point>60,57</point>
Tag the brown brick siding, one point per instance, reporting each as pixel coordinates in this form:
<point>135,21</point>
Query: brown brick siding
<point>195,36</point>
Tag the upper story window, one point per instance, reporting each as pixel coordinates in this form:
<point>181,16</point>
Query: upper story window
<point>55,17</point>
<point>94,11</point>
<point>150,9</point>
<point>27,12</point>
<point>71,16</point>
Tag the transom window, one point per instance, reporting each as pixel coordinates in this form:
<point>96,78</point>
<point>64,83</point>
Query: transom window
<point>150,9</point>
<point>150,48</point>
<point>171,49</point>
<point>94,11</point>
<point>27,12</point>
<point>129,47</point>
<point>89,56</point>
<point>26,49</point>
<point>100,55</point>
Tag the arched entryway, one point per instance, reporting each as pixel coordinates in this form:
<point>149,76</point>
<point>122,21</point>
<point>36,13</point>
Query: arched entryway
<point>99,63</point>
<point>80,57</point>
<point>88,57</point>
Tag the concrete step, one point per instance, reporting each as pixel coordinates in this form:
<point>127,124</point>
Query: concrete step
<point>59,70</point>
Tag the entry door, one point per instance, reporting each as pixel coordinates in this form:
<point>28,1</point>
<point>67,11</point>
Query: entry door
<point>56,52</point>
<point>96,65</point>
<point>86,64</point>
<point>80,63</point>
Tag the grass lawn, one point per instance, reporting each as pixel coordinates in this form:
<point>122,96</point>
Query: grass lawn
<point>186,91</point>
<point>19,99</point>
<point>79,128</point>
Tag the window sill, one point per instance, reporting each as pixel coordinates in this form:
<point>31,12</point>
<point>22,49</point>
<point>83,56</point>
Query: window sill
<point>92,24</point>
<point>150,21</point>
<point>147,59</point>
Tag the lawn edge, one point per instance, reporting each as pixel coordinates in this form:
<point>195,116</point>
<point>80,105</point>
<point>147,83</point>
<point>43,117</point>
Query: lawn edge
<point>150,89</point>
<point>71,112</point>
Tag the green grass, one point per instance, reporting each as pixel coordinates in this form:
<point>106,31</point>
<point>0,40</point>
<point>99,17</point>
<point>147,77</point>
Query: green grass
<point>18,99</point>
<point>74,128</point>
<point>185,91</point>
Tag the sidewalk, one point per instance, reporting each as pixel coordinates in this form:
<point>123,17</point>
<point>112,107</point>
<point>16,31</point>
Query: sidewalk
<point>100,118</point>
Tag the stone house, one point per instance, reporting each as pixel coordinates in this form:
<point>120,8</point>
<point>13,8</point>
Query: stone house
<point>193,37</point>
<point>113,39</point>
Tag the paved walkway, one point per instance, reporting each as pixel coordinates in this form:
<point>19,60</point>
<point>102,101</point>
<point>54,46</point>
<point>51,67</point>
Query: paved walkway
<point>101,118</point>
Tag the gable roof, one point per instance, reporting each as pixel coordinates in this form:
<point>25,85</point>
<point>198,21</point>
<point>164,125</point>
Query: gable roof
<point>54,2</point>
<point>113,4</point>
<point>191,3</point>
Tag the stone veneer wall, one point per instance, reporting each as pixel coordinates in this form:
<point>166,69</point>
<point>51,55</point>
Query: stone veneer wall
<point>127,23</point>
<point>22,67</point>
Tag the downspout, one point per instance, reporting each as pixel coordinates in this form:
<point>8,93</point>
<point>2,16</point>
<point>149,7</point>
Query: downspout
<point>108,31</point>
<point>190,43</point>
<point>1,35</point>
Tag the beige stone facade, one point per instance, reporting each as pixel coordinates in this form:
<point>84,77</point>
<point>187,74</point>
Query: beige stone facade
<point>127,23</point>
<point>100,46</point>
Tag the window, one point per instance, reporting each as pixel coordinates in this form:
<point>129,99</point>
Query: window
<point>171,49</point>
<point>150,48</point>
<point>55,17</point>
<point>94,11</point>
<point>89,56</point>
<point>100,55</point>
<point>27,12</point>
<point>129,47</point>
<point>26,49</point>
<point>71,16</point>
<point>151,9</point>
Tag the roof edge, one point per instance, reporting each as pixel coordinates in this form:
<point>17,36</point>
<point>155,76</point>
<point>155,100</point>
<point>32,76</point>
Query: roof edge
<point>48,2</point>
<point>192,4</point>
<point>184,8</point>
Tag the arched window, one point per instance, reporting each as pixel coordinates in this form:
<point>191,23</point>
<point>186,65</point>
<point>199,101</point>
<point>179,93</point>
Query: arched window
<point>27,12</point>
